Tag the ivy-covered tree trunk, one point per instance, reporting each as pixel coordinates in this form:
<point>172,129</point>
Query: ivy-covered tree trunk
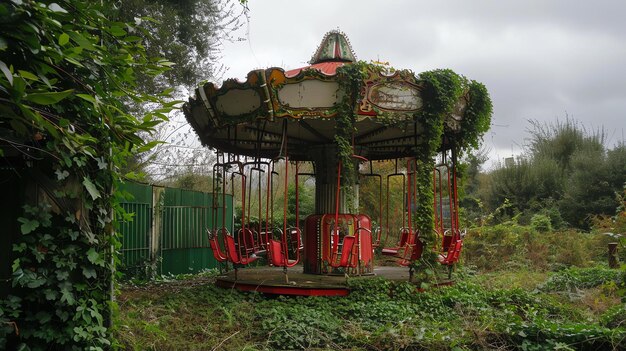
<point>66,70</point>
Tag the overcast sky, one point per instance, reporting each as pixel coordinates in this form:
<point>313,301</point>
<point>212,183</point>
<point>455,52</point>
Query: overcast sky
<point>539,60</point>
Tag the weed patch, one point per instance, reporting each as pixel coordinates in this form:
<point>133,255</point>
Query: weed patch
<point>377,315</point>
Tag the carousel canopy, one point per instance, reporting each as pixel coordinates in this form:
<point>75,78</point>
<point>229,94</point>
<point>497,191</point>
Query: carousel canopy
<point>300,107</point>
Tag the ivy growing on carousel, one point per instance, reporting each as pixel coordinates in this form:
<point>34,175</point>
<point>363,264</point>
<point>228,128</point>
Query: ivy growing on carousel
<point>67,74</point>
<point>442,89</point>
<point>350,79</point>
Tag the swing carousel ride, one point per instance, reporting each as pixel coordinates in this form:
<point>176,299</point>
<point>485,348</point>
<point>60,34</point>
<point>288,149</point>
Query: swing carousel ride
<point>337,116</point>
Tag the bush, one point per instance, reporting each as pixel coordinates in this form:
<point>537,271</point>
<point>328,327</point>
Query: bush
<point>614,317</point>
<point>541,223</point>
<point>572,279</point>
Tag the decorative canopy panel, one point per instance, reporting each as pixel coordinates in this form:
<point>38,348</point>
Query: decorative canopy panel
<point>334,47</point>
<point>299,107</point>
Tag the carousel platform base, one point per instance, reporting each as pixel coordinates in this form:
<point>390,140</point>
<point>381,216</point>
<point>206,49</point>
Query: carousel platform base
<point>271,280</point>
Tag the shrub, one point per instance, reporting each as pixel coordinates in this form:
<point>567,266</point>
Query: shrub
<point>614,317</point>
<point>572,279</point>
<point>541,223</point>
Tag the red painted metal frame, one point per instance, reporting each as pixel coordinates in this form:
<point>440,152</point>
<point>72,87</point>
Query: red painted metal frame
<point>387,228</point>
<point>378,231</point>
<point>282,289</point>
<point>260,235</point>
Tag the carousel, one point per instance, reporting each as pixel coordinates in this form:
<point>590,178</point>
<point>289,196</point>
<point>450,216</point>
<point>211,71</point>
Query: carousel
<point>331,123</point>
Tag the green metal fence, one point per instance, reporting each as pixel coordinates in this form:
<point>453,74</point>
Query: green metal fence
<point>168,230</point>
<point>135,248</point>
<point>136,233</point>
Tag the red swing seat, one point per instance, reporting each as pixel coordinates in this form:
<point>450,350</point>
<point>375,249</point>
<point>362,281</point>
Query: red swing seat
<point>215,247</point>
<point>233,254</point>
<point>346,253</point>
<point>393,251</point>
<point>452,255</point>
<point>277,255</point>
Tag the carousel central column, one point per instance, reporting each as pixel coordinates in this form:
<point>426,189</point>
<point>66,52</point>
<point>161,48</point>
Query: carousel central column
<point>319,227</point>
<point>326,164</point>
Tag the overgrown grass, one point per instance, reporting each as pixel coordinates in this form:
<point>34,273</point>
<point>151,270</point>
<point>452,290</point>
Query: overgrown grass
<point>479,312</point>
<point>518,289</point>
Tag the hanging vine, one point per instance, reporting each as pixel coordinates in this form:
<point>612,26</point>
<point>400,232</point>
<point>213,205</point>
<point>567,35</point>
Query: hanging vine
<point>442,89</point>
<point>350,78</point>
<point>66,71</point>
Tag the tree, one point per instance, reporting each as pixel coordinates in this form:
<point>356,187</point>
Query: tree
<point>189,34</point>
<point>65,71</point>
<point>565,172</point>
<point>469,173</point>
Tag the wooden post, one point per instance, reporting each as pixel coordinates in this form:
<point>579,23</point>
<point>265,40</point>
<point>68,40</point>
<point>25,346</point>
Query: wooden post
<point>613,261</point>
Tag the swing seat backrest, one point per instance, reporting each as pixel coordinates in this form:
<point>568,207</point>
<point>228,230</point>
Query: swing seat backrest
<point>246,237</point>
<point>295,238</point>
<point>404,236</point>
<point>233,254</point>
<point>219,255</point>
<point>447,240</point>
<point>277,258</point>
<point>453,253</point>
<point>346,252</point>
<point>231,249</point>
<point>457,251</point>
<point>217,251</point>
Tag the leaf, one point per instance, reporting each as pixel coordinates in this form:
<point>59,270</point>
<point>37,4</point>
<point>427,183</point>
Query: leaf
<point>117,31</point>
<point>67,296</point>
<point>27,75</point>
<point>103,165</point>
<point>82,41</point>
<point>7,72</point>
<point>51,294</point>
<point>35,283</point>
<point>28,225</point>
<point>63,39</point>
<point>48,98</point>
<point>56,8</point>
<point>93,256</point>
<point>61,174</point>
<point>91,188</point>
<point>62,275</point>
<point>89,273</point>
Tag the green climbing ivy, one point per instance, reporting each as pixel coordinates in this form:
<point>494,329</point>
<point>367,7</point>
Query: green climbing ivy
<point>350,78</point>
<point>66,72</point>
<point>442,89</point>
<point>476,119</point>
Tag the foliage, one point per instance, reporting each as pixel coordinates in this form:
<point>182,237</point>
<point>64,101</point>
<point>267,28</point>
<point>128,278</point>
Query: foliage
<point>187,33</point>
<point>510,244</point>
<point>306,202</point>
<point>66,70</point>
<point>614,317</point>
<point>476,119</point>
<point>192,181</point>
<point>378,315</point>
<point>443,88</point>
<point>350,78</point>
<point>541,223</point>
<point>572,279</point>
<point>566,170</point>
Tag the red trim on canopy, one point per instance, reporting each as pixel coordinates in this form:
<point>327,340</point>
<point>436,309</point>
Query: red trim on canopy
<point>327,68</point>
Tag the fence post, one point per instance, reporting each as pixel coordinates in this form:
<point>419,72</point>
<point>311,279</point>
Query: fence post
<point>613,260</point>
<point>157,219</point>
